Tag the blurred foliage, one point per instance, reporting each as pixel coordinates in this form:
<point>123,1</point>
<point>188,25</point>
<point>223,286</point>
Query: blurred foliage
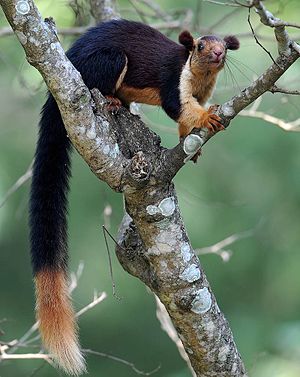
<point>247,178</point>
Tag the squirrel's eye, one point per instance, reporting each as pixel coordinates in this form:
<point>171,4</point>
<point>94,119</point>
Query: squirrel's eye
<point>200,46</point>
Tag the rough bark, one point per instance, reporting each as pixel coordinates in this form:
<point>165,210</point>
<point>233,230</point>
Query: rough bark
<point>122,151</point>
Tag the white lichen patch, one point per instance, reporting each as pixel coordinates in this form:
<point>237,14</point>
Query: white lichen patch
<point>152,210</point>
<point>53,45</point>
<point>114,151</point>
<point>192,143</point>
<point>191,146</point>
<point>104,126</point>
<point>186,252</point>
<point>160,248</point>
<point>228,110</point>
<point>167,206</point>
<point>22,7</point>
<point>98,141</point>
<point>223,353</point>
<point>22,37</point>
<point>163,224</point>
<point>202,302</point>
<point>91,133</point>
<point>135,108</point>
<point>153,250</point>
<point>164,248</point>
<point>80,130</point>
<point>191,273</point>
<point>34,41</point>
<point>234,368</point>
<point>166,237</point>
<point>210,327</point>
<point>106,149</point>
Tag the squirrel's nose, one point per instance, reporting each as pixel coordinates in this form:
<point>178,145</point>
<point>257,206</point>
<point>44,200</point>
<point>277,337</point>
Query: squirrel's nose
<point>217,51</point>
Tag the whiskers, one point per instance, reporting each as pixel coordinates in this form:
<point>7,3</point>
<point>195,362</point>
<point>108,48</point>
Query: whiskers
<point>232,64</point>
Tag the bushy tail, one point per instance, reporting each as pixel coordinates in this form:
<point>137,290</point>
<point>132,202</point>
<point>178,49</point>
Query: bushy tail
<point>48,223</point>
<point>56,320</point>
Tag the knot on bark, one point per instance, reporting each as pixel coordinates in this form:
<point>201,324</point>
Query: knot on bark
<point>139,168</point>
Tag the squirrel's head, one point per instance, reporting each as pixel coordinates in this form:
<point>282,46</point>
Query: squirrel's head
<point>208,52</point>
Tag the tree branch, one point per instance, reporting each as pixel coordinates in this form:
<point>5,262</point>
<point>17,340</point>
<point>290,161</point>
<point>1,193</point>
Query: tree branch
<point>103,10</point>
<point>122,151</point>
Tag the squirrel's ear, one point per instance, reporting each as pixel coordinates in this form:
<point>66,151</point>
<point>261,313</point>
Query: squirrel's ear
<point>232,43</point>
<point>185,38</point>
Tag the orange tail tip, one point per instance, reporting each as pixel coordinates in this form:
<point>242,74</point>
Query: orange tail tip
<point>57,321</point>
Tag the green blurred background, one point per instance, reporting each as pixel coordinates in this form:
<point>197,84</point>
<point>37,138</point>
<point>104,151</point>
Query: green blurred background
<point>247,178</point>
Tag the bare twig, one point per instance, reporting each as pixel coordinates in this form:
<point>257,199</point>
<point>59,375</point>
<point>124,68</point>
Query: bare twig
<point>110,261</point>
<point>96,300</point>
<point>256,39</point>
<point>22,356</point>
<point>287,126</point>
<point>276,89</point>
<point>122,361</point>
<point>220,3</point>
<point>107,213</point>
<point>75,276</point>
<point>103,10</point>
<point>20,182</point>
<point>218,248</point>
<point>76,30</point>
<point>157,10</point>
<point>268,19</point>
<point>26,339</point>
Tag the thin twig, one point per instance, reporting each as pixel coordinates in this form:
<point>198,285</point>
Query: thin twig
<point>125,362</point>
<point>287,126</point>
<point>75,276</point>
<point>256,40</point>
<point>20,182</point>
<point>96,300</point>
<point>158,11</point>
<point>219,3</point>
<point>218,248</point>
<point>268,19</point>
<point>276,89</point>
<point>24,338</point>
<point>76,30</point>
<point>105,231</point>
<point>5,356</point>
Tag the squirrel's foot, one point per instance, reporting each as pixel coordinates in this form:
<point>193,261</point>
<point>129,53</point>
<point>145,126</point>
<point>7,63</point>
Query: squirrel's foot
<point>204,119</point>
<point>211,121</point>
<point>114,104</point>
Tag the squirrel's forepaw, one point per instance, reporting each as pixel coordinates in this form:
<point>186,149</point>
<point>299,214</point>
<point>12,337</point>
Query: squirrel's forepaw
<point>211,121</point>
<point>113,104</point>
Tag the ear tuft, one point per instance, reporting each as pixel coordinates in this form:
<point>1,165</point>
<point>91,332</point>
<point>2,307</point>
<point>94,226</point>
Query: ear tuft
<point>232,43</point>
<point>185,38</point>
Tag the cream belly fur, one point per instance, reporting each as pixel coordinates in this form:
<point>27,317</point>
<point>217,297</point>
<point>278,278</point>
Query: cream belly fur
<point>195,88</point>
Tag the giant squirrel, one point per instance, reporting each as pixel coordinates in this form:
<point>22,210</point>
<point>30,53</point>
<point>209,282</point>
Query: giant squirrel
<point>127,61</point>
